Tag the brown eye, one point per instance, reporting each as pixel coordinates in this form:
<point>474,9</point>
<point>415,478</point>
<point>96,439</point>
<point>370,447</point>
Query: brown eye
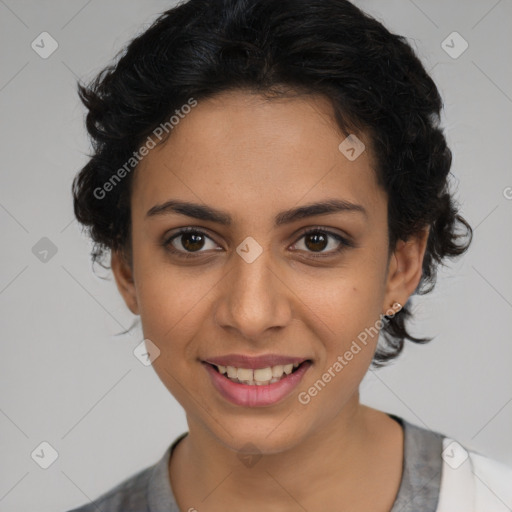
<point>316,240</point>
<point>192,241</point>
<point>188,241</point>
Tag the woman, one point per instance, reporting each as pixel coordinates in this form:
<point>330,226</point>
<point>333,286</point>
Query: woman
<point>270,182</point>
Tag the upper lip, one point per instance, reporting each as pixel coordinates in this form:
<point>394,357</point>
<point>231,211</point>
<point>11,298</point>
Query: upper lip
<point>254,362</point>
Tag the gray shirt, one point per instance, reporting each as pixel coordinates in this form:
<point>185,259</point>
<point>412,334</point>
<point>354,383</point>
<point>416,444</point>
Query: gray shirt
<point>150,491</point>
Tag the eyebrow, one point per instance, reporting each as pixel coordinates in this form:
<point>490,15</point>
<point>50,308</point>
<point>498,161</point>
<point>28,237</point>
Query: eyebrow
<point>208,213</point>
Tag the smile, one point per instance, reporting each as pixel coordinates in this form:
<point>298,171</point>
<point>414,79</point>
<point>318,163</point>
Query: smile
<point>257,377</point>
<point>256,387</point>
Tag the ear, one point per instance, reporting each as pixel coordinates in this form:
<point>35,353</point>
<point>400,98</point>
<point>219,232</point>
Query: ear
<point>405,269</point>
<point>123,274</point>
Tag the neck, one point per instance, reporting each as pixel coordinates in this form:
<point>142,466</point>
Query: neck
<point>339,456</point>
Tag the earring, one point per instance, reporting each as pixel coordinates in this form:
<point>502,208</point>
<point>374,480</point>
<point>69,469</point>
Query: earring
<point>393,310</point>
<point>397,306</point>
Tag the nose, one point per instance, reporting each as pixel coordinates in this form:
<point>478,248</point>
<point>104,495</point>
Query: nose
<point>253,298</point>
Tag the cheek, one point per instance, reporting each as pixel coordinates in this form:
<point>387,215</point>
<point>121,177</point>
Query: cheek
<point>166,293</point>
<point>170,303</point>
<point>345,317</point>
<point>344,309</point>
<point>347,298</point>
<point>347,321</point>
<point>173,307</point>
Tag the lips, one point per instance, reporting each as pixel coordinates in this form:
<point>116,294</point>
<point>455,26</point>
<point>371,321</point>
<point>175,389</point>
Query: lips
<point>249,395</point>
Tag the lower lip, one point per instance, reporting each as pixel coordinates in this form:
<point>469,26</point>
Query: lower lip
<point>256,396</point>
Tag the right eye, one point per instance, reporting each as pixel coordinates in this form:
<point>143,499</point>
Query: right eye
<point>191,241</point>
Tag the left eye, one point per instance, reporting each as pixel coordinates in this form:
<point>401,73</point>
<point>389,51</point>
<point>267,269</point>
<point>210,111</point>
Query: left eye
<point>316,240</point>
<point>190,240</point>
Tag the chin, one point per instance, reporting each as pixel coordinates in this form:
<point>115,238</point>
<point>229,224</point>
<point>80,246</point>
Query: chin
<point>263,438</point>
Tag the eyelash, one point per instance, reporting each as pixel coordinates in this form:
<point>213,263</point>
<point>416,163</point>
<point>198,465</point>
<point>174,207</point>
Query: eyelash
<point>344,243</point>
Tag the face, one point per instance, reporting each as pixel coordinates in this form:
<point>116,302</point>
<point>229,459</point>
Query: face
<point>252,281</point>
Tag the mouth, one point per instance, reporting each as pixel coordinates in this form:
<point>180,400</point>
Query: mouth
<point>258,376</point>
<point>257,387</point>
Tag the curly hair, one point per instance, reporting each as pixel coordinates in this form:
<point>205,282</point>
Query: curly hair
<point>373,79</point>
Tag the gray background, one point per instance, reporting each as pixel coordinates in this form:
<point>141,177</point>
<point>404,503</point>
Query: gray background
<point>67,379</point>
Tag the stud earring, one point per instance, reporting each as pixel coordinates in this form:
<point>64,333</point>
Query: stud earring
<point>393,310</point>
<point>397,306</point>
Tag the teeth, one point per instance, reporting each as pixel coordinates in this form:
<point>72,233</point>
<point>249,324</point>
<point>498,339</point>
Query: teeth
<point>258,377</point>
<point>262,374</point>
<point>288,368</point>
<point>245,374</point>
<point>277,371</point>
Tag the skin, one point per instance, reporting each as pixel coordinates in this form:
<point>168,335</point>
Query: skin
<point>253,159</point>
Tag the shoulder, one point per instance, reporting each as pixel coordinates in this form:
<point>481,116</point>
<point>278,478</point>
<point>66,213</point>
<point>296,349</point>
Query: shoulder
<point>129,495</point>
<point>456,477</point>
<point>149,489</point>
<point>472,481</point>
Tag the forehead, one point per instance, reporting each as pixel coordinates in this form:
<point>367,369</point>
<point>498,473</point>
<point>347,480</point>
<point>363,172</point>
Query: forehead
<point>257,156</point>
